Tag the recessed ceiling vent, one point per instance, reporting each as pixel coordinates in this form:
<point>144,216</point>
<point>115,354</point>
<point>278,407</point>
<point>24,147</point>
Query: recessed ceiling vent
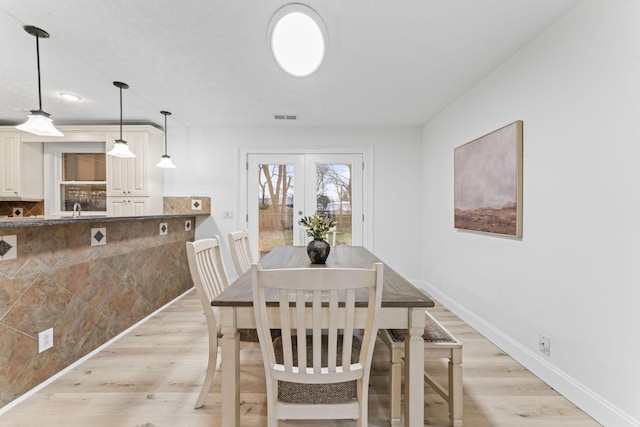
<point>285,116</point>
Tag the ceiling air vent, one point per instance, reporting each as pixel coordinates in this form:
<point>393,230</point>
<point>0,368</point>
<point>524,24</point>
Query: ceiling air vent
<point>285,116</point>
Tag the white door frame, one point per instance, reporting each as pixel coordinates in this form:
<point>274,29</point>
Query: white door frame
<point>367,184</point>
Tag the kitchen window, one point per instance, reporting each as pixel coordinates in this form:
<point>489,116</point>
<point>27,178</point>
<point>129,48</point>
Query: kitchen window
<point>78,172</point>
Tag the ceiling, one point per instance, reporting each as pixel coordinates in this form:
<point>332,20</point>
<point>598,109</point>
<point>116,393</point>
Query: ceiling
<point>388,63</point>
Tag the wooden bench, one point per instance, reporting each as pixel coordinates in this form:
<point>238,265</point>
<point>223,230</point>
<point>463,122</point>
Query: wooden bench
<point>438,343</point>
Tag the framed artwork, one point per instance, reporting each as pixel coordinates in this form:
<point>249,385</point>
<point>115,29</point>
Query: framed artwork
<point>488,182</point>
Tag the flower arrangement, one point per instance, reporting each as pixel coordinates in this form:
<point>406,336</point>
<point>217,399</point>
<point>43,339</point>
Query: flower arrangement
<point>317,225</point>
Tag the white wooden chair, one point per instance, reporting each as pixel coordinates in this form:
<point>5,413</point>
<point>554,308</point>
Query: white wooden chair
<point>322,371</point>
<point>332,231</point>
<point>438,343</point>
<point>240,251</point>
<point>210,279</point>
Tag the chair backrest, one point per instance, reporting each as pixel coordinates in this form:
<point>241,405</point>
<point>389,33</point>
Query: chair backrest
<point>207,272</point>
<point>240,251</point>
<point>333,231</point>
<point>317,304</point>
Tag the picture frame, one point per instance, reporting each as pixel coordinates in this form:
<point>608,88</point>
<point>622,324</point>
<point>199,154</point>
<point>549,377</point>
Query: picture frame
<point>488,182</point>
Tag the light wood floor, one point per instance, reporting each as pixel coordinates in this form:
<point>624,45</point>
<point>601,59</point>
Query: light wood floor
<point>152,376</point>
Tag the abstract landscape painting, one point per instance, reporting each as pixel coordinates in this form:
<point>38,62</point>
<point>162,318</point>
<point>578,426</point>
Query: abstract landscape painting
<point>488,182</point>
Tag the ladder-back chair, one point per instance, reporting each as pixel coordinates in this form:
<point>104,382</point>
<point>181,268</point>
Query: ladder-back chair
<point>240,251</point>
<point>210,278</point>
<point>319,367</point>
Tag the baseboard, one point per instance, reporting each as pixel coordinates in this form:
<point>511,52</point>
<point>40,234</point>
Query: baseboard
<point>590,402</point>
<point>42,385</point>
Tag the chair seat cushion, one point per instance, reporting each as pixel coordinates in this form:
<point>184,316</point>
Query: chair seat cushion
<point>250,335</point>
<point>317,393</point>
<point>432,333</point>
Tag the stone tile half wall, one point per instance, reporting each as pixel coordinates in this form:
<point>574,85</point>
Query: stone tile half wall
<point>88,294</point>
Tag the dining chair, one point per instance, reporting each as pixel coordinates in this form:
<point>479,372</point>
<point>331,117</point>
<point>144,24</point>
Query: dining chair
<point>332,231</point>
<point>210,279</point>
<point>438,343</point>
<point>319,367</point>
<point>240,251</point>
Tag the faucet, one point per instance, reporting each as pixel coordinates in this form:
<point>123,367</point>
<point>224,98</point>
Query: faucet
<point>76,210</point>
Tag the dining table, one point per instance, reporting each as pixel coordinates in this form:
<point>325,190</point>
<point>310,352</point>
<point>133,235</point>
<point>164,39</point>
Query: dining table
<point>403,307</point>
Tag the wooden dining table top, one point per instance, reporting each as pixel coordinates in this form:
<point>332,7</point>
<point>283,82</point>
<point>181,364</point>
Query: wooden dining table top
<point>396,291</point>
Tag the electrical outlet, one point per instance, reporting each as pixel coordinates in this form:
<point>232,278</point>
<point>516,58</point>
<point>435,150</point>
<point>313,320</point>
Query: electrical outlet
<point>544,344</point>
<point>227,215</point>
<point>45,340</point>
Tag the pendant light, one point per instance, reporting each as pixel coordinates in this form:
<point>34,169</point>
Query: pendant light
<point>120,147</point>
<point>165,162</point>
<point>38,122</point>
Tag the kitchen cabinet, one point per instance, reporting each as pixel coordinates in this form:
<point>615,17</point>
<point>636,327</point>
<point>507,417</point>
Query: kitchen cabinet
<point>128,176</point>
<point>135,185</point>
<point>136,179</point>
<point>21,173</point>
<point>128,206</point>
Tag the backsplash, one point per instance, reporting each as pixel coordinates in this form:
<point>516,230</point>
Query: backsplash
<point>26,208</point>
<point>186,205</point>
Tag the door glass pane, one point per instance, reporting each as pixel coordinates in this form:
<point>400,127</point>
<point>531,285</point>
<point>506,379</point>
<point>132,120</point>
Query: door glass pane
<point>275,204</point>
<point>333,195</point>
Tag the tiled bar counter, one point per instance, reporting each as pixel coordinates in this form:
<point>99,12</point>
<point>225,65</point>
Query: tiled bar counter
<point>89,279</point>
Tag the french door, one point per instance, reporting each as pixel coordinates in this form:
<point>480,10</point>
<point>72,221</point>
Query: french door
<point>282,188</point>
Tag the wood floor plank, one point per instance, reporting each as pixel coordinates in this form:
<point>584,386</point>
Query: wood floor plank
<point>151,377</point>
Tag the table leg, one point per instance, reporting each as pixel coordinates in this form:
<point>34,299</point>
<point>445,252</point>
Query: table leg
<point>230,368</point>
<point>414,369</point>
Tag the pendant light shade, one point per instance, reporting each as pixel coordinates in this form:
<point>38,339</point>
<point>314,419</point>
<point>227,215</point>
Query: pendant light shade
<point>120,147</point>
<point>165,162</point>
<point>38,122</point>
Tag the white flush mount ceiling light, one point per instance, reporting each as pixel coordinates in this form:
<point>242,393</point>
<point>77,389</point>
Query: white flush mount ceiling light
<point>165,162</point>
<point>38,122</point>
<point>120,147</point>
<point>298,38</point>
<point>70,96</point>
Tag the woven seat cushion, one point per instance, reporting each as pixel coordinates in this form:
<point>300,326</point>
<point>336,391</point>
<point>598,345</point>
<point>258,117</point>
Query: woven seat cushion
<point>246,335</point>
<point>316,393</point>
<point>432,333</point>
<point>251,335</point>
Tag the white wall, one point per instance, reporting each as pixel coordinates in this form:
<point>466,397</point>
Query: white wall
<point>208,162</point>
<point>574,275</point>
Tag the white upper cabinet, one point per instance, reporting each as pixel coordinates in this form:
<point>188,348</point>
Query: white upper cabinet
<point>129,176</point>
<point>21,168</point>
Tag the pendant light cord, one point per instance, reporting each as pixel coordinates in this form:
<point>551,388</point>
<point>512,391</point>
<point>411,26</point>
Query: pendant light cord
<point>121,86</point>
<point>39,86</point>
<point>165,114</point>
<point>165,134</point>
<point>120,113</point>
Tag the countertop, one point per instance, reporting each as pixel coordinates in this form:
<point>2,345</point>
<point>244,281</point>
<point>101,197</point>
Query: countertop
<point>36,221</point>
